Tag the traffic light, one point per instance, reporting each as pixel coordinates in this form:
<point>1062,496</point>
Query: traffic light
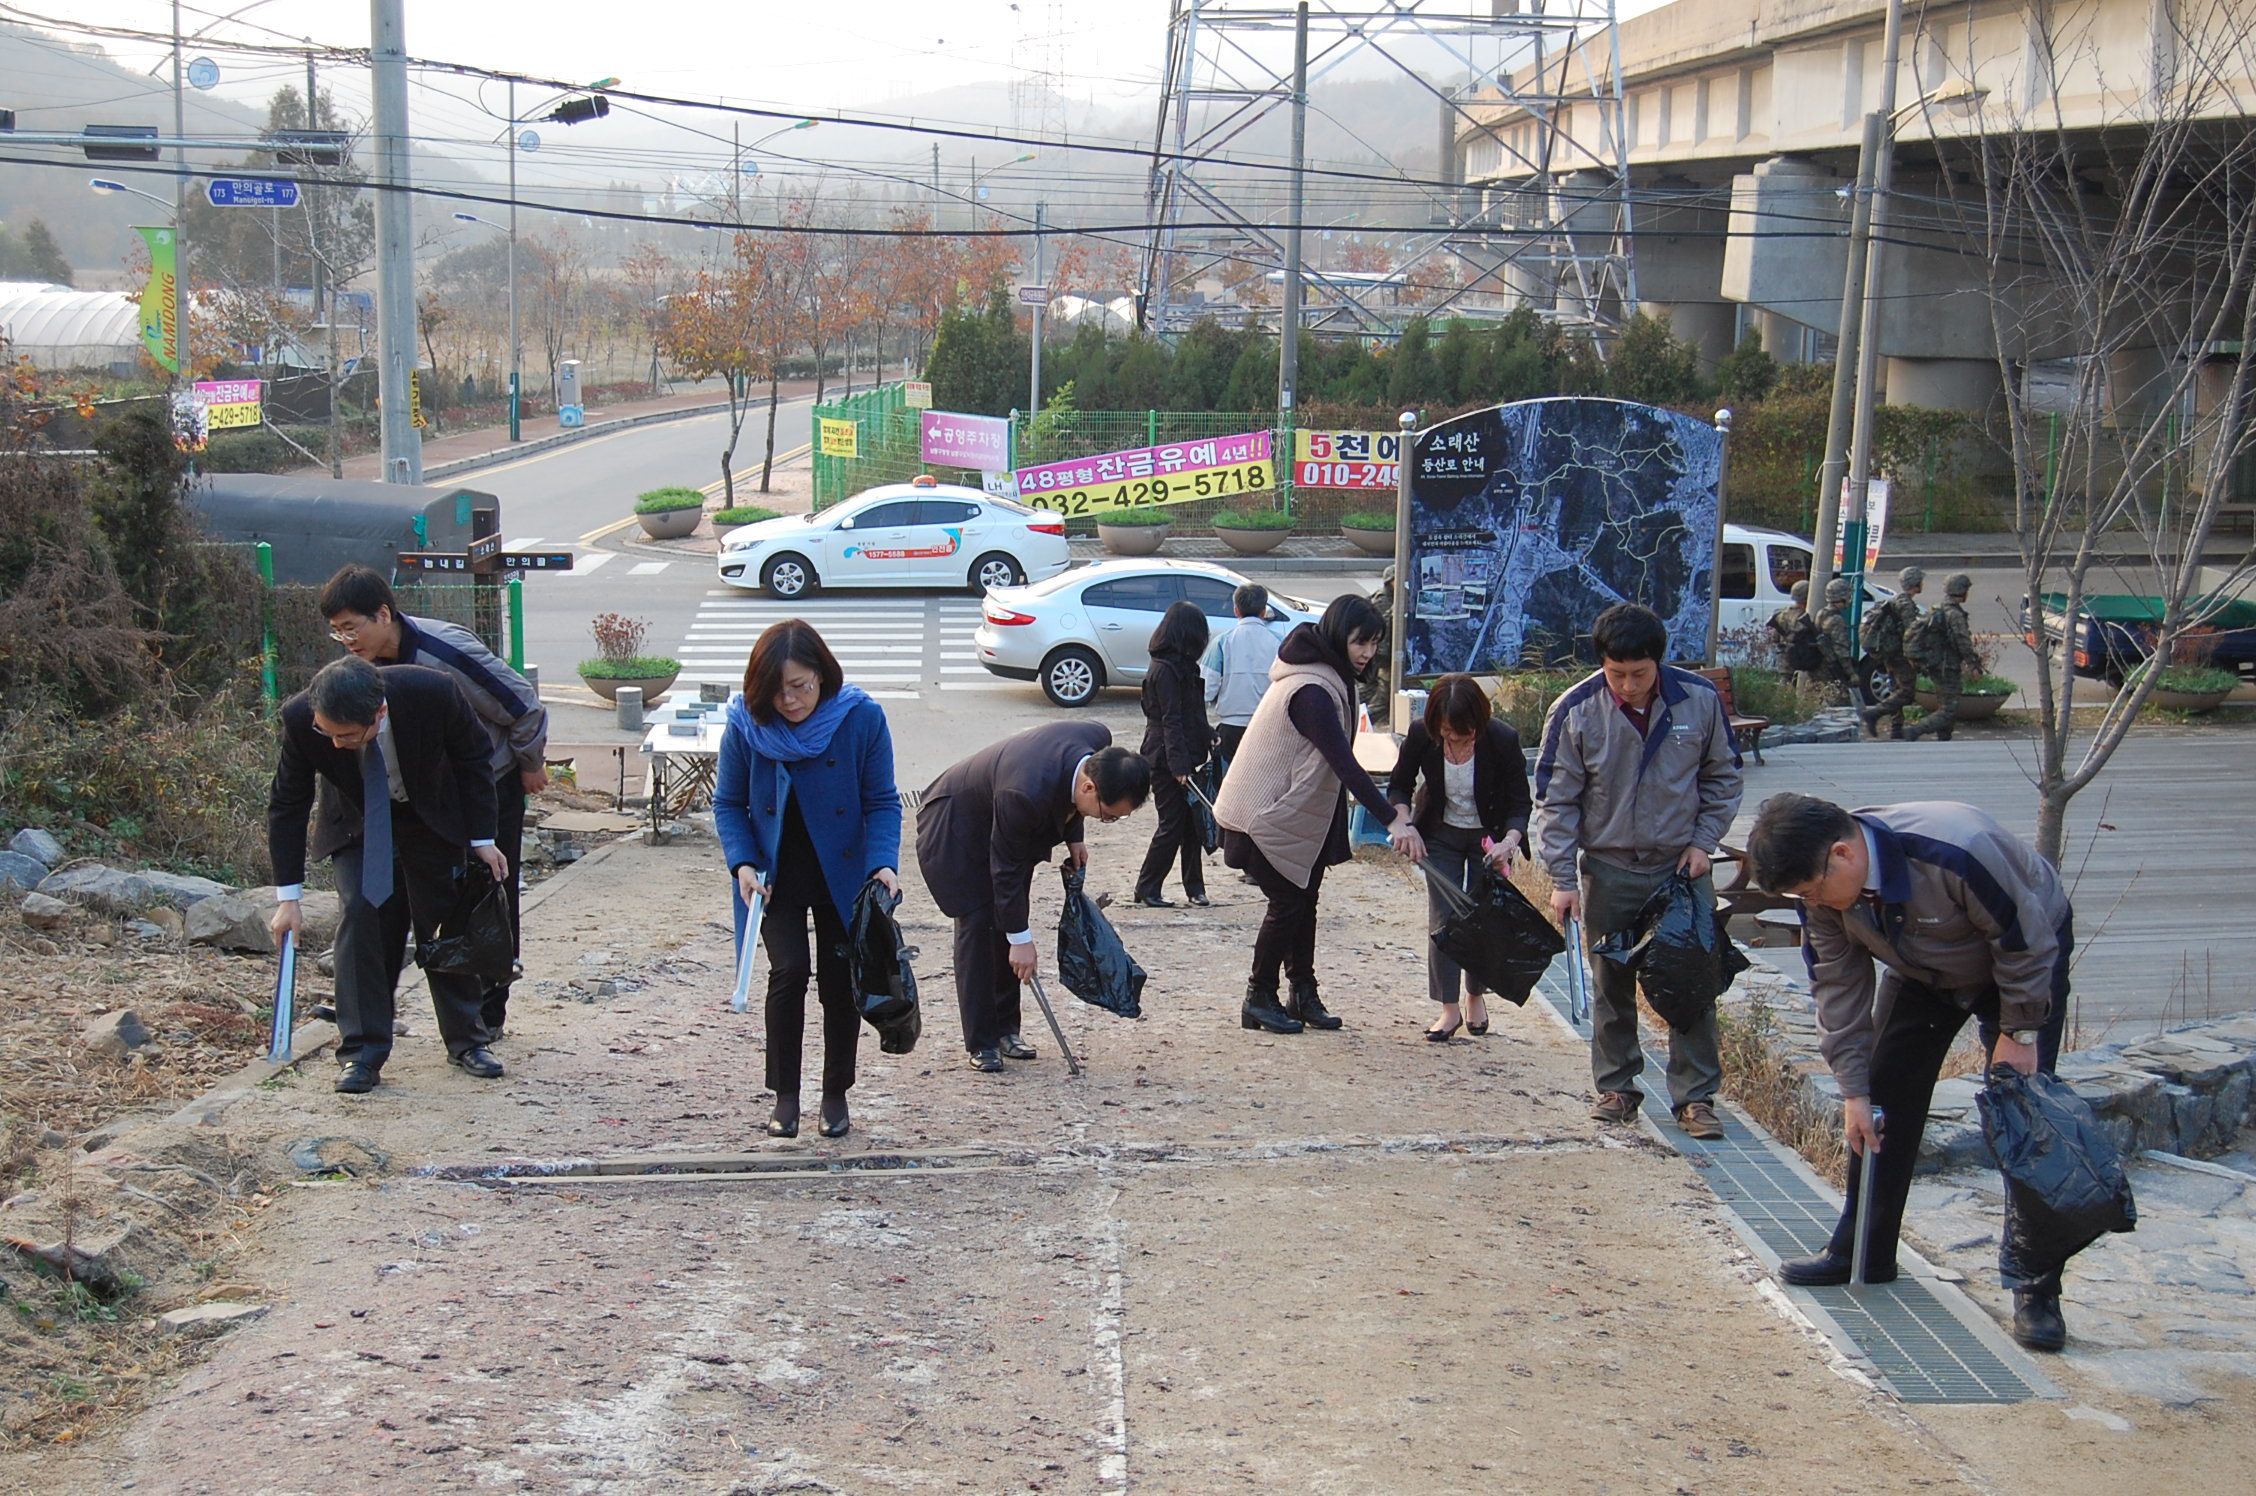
<point>578,111</point>
<point>309,147</point>
<point>122,151</point>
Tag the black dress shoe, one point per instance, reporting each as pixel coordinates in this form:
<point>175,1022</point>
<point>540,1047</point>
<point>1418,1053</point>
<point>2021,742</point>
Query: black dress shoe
<point>835,1122</point>
<point>987,1061</point>
<point>1012,1047</point>
<point>1828,1271</point>
<point>1200,899</point>
<point>784,1121</point>
<point>1154,901</point>
<point>357,1080</point>
<point>479,1062</point>
<point>2037,1324</point>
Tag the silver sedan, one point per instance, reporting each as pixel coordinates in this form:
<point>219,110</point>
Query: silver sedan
<point>1090,628</point>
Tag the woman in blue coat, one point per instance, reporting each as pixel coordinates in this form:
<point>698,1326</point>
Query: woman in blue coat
<point>807,812</point>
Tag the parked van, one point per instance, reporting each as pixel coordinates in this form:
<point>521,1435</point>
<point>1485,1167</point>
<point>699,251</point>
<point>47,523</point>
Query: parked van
<point>1758,571</point>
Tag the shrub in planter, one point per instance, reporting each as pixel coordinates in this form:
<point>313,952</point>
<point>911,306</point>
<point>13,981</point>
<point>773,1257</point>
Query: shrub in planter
<point>1138,530</point>
<point>1372,532</point>
<point>2193,688</point>
<point>670,513</point>
<point>620,661</point>
<point>1252,532</point>
<point>1978,698</point>
<point>743,514</point>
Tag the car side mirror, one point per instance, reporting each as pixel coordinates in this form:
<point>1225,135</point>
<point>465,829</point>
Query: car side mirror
<point>847,523</point>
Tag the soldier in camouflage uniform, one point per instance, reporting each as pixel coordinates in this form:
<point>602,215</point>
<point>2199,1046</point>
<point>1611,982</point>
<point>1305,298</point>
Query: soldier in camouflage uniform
<point>1955,660</point>
<point>1892,660</point>
<point>1833,638</point>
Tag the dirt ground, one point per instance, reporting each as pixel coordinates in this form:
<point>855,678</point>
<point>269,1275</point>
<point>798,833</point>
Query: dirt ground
<point>1219,1261</point>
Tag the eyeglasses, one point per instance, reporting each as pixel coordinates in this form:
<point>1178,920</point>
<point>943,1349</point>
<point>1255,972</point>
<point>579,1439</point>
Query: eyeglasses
<point>345,636</point>
<point>812,686</point>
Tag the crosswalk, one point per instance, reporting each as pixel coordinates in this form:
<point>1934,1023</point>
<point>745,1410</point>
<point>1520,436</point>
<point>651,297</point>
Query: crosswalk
<point>897,647</point>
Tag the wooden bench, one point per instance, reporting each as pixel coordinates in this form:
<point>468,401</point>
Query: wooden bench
<point>1746,731</point>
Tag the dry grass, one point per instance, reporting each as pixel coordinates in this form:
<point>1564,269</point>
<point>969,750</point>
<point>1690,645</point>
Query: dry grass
<point>1759,1078</point>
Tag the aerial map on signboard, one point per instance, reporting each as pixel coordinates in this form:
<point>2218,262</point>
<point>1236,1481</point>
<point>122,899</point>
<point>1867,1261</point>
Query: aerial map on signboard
<point>1529,520</point>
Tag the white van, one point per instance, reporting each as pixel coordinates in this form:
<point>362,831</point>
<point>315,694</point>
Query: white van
<point>1759,569</point>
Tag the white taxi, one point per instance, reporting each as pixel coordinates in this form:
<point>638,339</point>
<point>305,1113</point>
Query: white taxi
<point>923,533</point>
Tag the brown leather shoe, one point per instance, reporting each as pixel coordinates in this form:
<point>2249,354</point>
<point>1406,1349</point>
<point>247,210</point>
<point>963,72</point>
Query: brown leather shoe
<point>1616,1106</point>
<point>1699,1120</point>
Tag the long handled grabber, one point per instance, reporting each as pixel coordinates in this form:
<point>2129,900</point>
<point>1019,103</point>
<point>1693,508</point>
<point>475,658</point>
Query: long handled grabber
<point>1578,974</point>
<point>285,1002</point>
<point>749,957</point>
<point>1861,1250</point>
<point>1041,998</point>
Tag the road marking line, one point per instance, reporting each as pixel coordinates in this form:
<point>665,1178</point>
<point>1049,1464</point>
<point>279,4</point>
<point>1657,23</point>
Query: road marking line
<point>647,568</point>
<point>963,670</point>
<point>582,565</point>
<point>592,536</point>
<point>781,458</point>
<point>988,685</point>
<point>526,542</point>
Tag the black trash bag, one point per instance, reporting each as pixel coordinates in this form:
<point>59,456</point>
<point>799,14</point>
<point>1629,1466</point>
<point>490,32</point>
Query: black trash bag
<point>1206,782</point>
<point>2064,1182</point>
<point>1678,950</point>
<point>476,938</point>
<point>1092,962</point>
<point>877,962</point>
<point>1503,943</point>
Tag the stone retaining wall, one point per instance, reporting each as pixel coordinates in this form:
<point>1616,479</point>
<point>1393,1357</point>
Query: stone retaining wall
<point>2188,1090</point>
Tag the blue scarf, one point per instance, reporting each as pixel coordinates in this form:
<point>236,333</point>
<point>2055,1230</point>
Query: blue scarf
<point>787,743</point>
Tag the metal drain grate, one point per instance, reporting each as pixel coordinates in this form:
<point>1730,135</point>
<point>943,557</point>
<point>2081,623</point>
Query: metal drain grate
<point>1921,1347</point>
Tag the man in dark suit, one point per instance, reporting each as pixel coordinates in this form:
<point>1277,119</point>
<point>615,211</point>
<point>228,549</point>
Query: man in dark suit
<point>410,802</point>
<point>983,827</point>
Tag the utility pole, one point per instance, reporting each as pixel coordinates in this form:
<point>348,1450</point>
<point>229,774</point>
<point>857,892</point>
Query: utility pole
<point>1041,278</point>
<point>936,183</point>
<point>516,347</point>
<point>395,241</point>
<point>328,323</point>
<point>1288,342</point>
<point>180,203</point>
<point>736,172</point>
<point>1868,336</point>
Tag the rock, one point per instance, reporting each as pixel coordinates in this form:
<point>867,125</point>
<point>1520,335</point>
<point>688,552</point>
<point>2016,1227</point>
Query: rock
<point>42,912</point>
<point>105,888</point>
<point>320,908</point>
<point>49,1138</point>
<point>232,923</point>
<point>115,1035</point>
<point>167,920</point>
<point>88,1255</point>
<point>19,871</point>
<point>218,1312</point>
<point>181,889</point>
<point>143,929</point>
<point>39,846</point>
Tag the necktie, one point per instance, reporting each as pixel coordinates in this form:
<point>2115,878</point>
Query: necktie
<point>375,825</point>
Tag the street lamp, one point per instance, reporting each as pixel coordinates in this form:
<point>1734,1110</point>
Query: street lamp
<point>971,193</point>
<point>739,170</point>
<point>104,187</point>
<point>510,230</point>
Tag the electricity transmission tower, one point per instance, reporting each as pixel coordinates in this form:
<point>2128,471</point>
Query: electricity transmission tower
<point>1550,229</point>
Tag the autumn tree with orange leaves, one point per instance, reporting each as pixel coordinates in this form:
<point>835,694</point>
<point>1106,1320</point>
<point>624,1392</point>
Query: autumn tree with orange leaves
<point>735,323</point>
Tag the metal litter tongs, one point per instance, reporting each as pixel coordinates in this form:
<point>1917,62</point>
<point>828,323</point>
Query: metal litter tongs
<point>285,1002</point>
<point>1862,1249</point>
<point>1041,998</point>
<point>1578,974</point>
<point>749,957</point>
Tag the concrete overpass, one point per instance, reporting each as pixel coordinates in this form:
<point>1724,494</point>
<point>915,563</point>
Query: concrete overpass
<point>1740,122</point>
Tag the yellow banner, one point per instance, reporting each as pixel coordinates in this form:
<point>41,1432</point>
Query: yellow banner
<point>160,300</point>
<point>840,438</point>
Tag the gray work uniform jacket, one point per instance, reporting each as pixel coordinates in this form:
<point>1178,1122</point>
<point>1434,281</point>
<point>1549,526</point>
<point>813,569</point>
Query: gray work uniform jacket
<point>1964,906</point>
<point>1634,802</point>
<point>514,719</point>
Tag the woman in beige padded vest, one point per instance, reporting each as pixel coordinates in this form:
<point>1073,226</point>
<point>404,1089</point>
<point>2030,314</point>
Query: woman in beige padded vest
<point>1282,810</point>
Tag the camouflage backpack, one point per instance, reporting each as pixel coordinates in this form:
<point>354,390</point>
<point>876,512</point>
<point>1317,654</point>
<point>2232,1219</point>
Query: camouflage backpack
<point>1882,633</point>
<point>1927,642</point>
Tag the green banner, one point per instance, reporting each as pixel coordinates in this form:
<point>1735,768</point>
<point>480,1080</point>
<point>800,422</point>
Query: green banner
<point>160,300</point>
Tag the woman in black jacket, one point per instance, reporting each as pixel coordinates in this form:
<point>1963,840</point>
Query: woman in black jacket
<point>1472,806</point>
<point>1175,741</point>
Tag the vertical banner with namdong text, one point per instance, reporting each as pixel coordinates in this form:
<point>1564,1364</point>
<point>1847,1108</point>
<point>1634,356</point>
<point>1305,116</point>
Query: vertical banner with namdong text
<point>160,299</point>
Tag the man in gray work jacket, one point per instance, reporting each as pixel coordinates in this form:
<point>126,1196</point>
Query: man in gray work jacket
<point>1966,918</point>
<point>1638,777</point>
<point>366,619</point>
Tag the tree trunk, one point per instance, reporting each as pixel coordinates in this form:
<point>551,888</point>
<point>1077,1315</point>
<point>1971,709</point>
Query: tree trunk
<point>767,463</point>
<point>739,406</point>
<point>2052,825</point>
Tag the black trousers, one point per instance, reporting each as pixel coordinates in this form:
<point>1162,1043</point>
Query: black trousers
<point>1287,938</point>
<point>796,891</point>
<point>987,998</point>
<point>509,836</point>
<point>372,945</point>
<point>1226,740</point>
<point>1175,838</point>
<point>1915,1038</point>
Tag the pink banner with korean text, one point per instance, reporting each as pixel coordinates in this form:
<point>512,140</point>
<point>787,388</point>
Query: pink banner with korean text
<point>1209,467</point>
<point>982,443</point>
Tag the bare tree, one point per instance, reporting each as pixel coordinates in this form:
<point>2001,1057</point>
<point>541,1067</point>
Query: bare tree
<point>2114,221</point>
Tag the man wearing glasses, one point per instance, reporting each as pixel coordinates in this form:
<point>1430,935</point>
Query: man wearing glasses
<point>983,827</point>
<point>1966,918</point>
<point>366,619</point>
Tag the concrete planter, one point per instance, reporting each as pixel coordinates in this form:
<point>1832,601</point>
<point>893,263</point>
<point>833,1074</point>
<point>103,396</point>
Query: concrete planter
<point>1252,542</point>
<point>1971,708</point>
<point>671,524</point>
<point>609,686</point>
<point>1132,540</point>
<point>2190,701</point>
<point>1370,542</point>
